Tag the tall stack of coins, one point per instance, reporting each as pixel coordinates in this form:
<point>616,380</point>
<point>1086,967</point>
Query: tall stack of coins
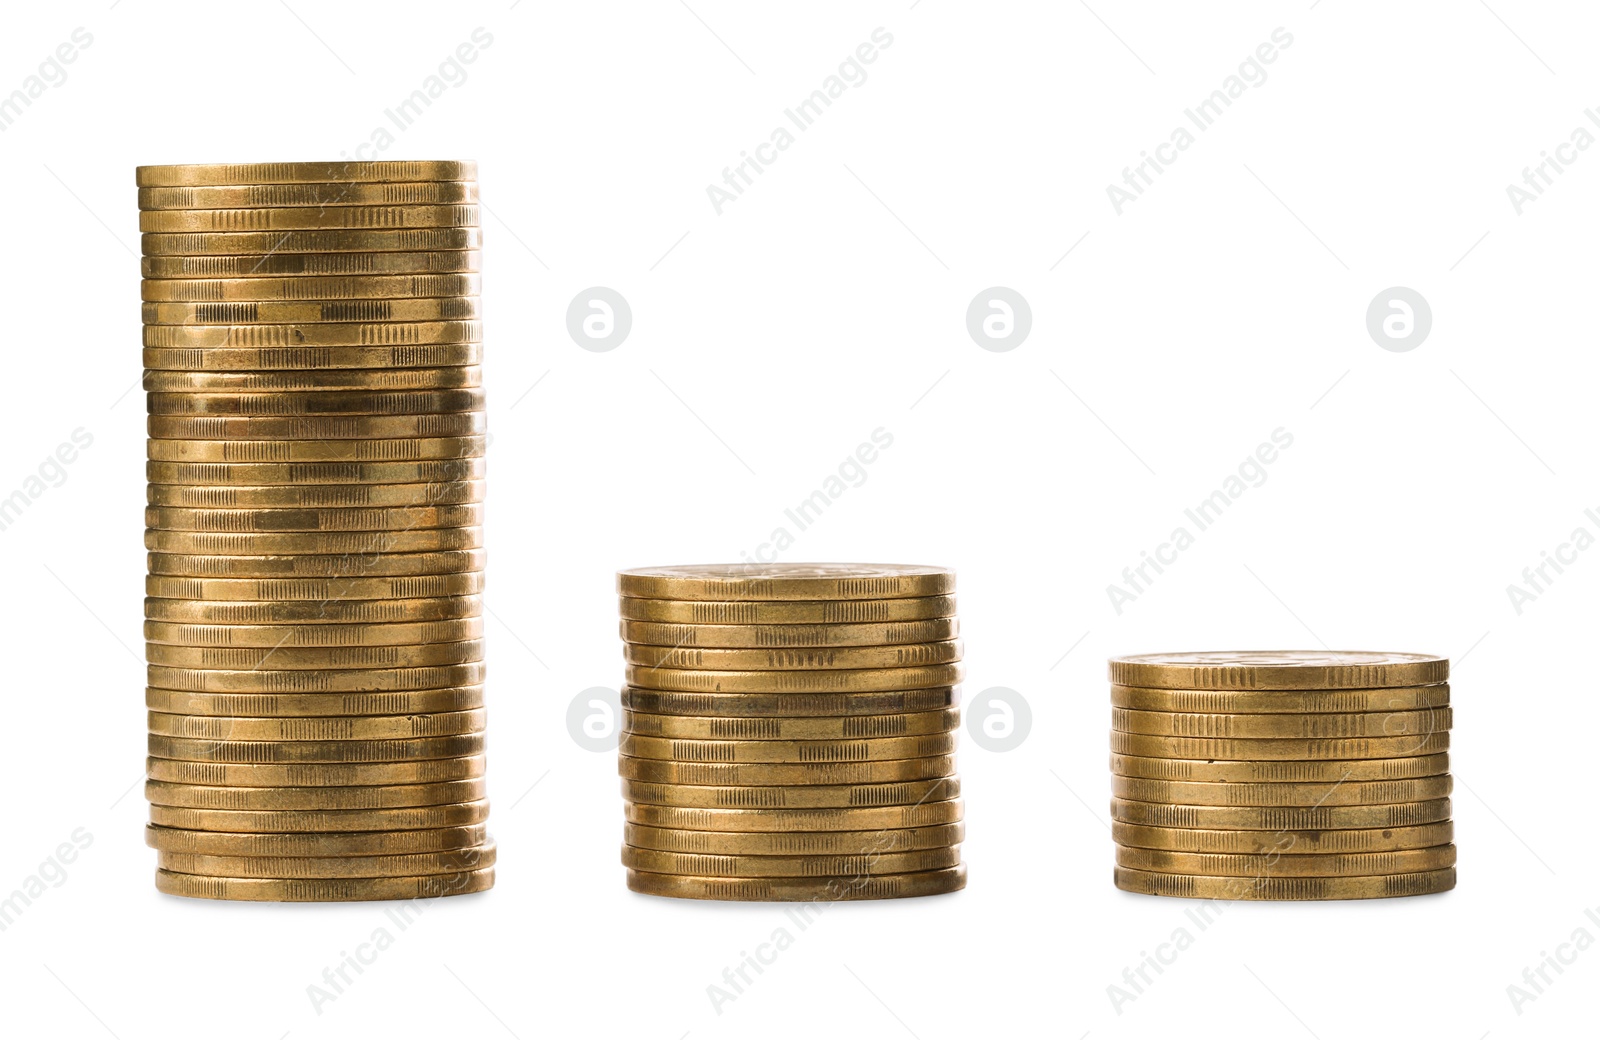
<point>315,500</point>
<point>1282,775</point>
<point>789,731</point>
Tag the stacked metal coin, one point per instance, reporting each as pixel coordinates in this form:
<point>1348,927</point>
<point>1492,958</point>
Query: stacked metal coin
<point>311,352</point>
<point>789,732</point>
<point>1282,775</point>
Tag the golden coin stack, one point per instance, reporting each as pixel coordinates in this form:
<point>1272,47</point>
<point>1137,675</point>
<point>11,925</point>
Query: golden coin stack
<point>789,732</point>
<point>1282,775</point>
<point>311,351</point>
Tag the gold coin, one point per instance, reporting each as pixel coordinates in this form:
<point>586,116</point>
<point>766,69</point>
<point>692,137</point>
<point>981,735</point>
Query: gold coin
<point>1324,817</point>
<point>284,752</point>
<point>275,521</point>
<point>786,581</point>
<point>315,680</point>
<point>290,612</point>
<point>204,174</point>
<point>356,774</point>
<point>1251,750</point>
<point>841,680</point>
<point>793,843</point>
<point>653,633</point>
<point>179,221</point>
<point>451,378</point>
<point>763,774</point>
<point>415,587</point>
<point>284,705</point>
<point>810,890</point>
<point>341,821</point>
<point>270,264</point>
<point>313,344</point>
<point>317,427</point>
<point>820,612</point>
<point>1325,771</point>
<point>409,449</point>
<point>320,496</point>
<point>343,727</point>
<point>330,402</point>
<point>846,727</point>
<point>392,564</point>
<point>1366,724</point>
<point>909,655</point>
<point>373,796</point>
<point>302,359</point>
<point>762,705</point>
<point>319,543</point>
<point>256,473</point>
<point>314,193</point>
<point>364,843</point>
<point>1272,864</point>
<point>1353,792</point>
<point>266,658</point>
<point>1279,670</point>
<point>453,862</point>
<point>335,240</point>
<point>688,863</point>
<point>1322,843</point>
<point>268,312</point>
<point>340,288</point>
<point>1193,886</point>
<point>792,796</point>
<point>882,749</point>
<point>324,890</point>
<point>1399,698</point>
<point>314,635</point>
<point>767,821</point>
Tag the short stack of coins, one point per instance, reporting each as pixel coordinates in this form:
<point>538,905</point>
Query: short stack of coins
<point>313,612</point>
<point>1289,775</point>
<point>789,732</point>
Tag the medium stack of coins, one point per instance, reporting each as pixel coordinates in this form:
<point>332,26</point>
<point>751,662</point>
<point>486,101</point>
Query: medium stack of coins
<point>789,732</point>
<point>316,478</point>
<point>1282,775</point>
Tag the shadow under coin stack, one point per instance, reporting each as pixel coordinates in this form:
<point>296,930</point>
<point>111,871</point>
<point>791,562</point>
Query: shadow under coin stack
<point>789,732</point>
<point>315,500</point>
<point>1282,775</point>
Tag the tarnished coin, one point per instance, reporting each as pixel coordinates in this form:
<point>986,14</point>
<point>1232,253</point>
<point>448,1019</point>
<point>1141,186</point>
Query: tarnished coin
<point>812,890</point>
<point>318,496</point>
<point>847,727</point>
<point>1309,726</point>
<point>1325,817</point>
<point>1358,864</point>
<point>1193,886</point>
<point>749,821</point>
<point>312,344</point>
<point>1352,792</point>
<point>319,218</point>
<point>816,612</point>
<point>453,862</point>
<point>269,521</point>
<point>786,581</point>
<point>797,843</point>
<point>792,796</point>
<point>372,796</point>
<point>1283,771</point>
<point>283,752</point>
<point>324,890</point>
<point>694,865</point>
<point>888,633</point>
<point>761,774</point>
<point>1240,750</point>
<point>314,680</point>
<point>315,705</point>
<point>801,751</point>
<point>281,311</point>
<point>368,843</point>
<point>317,427</point>
<point>334,240</point>
<point>267,265</point>
<point>761,705</point>
<point>311,194</point>
<point>274,636</point>
<point>417,587</point>
<point>332,612</point>
<point>1400,698</point>
<point>349,774</point>
<point>1278,670</point>
<point>205,174</point>
<point>1284,843</point>
<point>382,727</point>
<point>908,655</point>
<point>408,449</point>
<point>386,565</point>
<point>839,680</point>
<point>341,821</point>
<point>328,402</point>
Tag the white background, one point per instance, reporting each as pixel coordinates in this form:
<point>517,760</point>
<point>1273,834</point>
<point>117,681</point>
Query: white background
<point>768,341</point>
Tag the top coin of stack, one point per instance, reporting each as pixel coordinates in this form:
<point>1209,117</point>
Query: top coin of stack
<point>1282,775</point>
<point>311,351</point>
<point>789,731</point>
